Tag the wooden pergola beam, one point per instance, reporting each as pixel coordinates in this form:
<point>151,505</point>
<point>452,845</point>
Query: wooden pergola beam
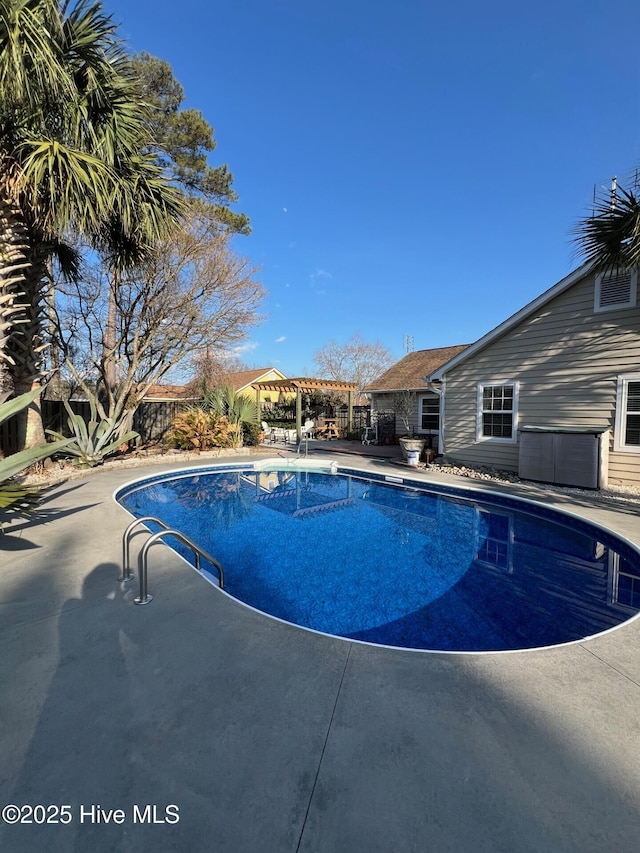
<point>306,385</point>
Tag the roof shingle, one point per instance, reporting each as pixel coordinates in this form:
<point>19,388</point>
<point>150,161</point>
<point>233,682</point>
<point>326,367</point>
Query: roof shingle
<point>410,371</point>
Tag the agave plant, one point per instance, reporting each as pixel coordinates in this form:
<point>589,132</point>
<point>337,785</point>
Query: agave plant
<point>13,496</point>
<point>92,442</point>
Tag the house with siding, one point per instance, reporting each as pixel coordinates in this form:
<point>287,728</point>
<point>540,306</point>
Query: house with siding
<point>241,381</point>
<point>406,379</point>
<point>555,389</point>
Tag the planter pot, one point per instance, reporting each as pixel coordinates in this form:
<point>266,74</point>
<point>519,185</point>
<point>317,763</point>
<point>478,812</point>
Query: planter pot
<point>411,446</point>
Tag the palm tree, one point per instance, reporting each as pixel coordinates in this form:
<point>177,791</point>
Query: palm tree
<point>610,237</point>
<point>74,158</point>
<point>238,409</point>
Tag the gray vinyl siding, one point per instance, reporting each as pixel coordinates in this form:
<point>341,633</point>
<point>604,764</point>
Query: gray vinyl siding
<point>384,402</point>
<point>566,360</point>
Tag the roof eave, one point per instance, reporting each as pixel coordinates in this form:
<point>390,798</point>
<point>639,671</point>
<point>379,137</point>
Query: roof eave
<point>394,390</point>
<point>530,308</point>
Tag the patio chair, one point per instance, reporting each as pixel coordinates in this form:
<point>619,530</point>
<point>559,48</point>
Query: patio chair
<point>268,432</point>
<point>307,433</point>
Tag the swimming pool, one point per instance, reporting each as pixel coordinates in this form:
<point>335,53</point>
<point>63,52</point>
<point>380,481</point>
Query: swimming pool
<point>361,556</point>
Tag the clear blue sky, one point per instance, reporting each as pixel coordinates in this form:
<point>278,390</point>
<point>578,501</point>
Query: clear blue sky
<point>410,168</point>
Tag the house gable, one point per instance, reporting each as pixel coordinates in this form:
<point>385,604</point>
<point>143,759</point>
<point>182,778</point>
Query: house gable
<point>515,319</point>
<point>242,380</point>
<point>566,361</point>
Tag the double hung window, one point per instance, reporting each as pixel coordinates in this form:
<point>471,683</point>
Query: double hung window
<point>497,412</point>
<point>627,427</point>
<point>429,413</point>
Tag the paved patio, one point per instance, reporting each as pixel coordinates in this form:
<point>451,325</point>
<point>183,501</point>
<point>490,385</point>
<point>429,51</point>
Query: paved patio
<point>271,739</point>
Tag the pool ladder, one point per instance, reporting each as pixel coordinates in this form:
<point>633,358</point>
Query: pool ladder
<point>127,574</point>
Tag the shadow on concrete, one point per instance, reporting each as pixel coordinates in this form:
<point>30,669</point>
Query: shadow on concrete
<point>15,543</point>
<point>72,757</point>
<point>41,514</point>
<point>271,738</point>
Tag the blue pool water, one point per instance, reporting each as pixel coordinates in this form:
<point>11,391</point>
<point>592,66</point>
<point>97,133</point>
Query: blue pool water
<point>353,555</point>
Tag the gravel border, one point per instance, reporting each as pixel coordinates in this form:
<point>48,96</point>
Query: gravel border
<point>617,494</point>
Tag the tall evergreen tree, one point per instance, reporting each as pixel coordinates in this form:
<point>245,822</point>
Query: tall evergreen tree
<point>184,140</point>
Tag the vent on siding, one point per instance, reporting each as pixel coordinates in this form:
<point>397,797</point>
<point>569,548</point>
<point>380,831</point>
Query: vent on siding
<point>615,290</point>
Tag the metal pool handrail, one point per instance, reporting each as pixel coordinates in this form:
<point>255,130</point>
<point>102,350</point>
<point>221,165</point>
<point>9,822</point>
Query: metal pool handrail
<point>127,575</point>
<point>144,597</point>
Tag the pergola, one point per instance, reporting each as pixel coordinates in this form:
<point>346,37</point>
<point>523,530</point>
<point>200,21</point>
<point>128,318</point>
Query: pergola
<point>305,385</point>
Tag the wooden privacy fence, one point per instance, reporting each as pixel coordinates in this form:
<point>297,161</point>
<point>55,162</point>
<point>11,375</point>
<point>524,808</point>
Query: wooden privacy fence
<point>152,419</point>
<point>54,416</point>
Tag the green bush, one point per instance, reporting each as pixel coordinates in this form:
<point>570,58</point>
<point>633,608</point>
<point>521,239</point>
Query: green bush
<point>251,432</point>
<point>237,408</point>
<point>197,429</point>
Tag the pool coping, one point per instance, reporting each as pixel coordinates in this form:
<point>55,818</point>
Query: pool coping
<point>409,477</point>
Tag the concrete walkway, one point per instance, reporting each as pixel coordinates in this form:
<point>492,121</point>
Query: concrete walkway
<point>260,737</point>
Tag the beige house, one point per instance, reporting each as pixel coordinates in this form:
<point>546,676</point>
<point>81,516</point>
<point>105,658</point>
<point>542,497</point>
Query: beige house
<point>404,383</point>
<point>241,381</point>
<point>553,392</point>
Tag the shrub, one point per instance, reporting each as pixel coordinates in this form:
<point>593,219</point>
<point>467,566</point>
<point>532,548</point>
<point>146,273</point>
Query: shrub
<point>224,401</point>
<point>197,429</point>
<point>251,432</point>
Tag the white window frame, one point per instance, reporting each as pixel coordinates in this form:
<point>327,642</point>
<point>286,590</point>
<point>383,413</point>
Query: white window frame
<point>514,412</point>
<point>419,428</point>
<point>482,540</point>
<point>620,427</point>
<point>633,293</point>
<point>614,584</point>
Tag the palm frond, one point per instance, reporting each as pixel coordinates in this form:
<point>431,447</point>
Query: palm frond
<point>21,500</point>
<point>29,60</point>
<point>70,185</point>
<point>610,237</point>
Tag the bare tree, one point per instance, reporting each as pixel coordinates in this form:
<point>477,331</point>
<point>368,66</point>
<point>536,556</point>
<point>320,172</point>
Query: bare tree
<point>354,361</point>
<point>192,293</point>
<point>404,405</point>
<point>211,368</point>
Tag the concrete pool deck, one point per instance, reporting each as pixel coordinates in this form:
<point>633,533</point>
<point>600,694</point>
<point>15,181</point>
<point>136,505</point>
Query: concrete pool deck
<point>272,739</point>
